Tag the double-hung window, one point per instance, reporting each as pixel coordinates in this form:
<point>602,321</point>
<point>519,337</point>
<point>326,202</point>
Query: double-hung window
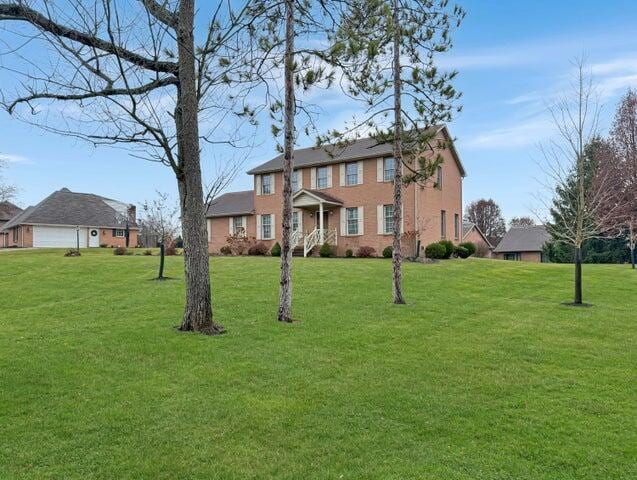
<point>237,227</point>
<point>266,227</point>
<point>352,220</point>
<point>295,221</point>
<point>456,226</point>
<point>266,184</point>
<point>321,177</point>
<point>295,181</point>
<point>119,232</point>
<point>351,173</point>
<point>439,177</point>
<point>389,169</point>
<point>388,218</point>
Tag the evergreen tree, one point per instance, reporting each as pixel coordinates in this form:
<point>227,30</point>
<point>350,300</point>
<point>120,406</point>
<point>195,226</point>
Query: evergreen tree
<point>388,50</point>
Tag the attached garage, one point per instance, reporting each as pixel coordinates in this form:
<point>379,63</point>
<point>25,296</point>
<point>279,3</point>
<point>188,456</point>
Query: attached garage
<point>58,237</point>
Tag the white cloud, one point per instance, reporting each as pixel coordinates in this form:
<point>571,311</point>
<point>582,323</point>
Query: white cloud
<point>523,134</point>
<point>10,158</point>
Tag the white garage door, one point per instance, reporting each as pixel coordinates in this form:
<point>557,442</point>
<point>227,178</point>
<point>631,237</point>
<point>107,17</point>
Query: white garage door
<point>61,237</point>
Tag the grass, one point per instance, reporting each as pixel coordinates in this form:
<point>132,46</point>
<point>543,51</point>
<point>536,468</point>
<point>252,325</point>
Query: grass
<point>483,375</point>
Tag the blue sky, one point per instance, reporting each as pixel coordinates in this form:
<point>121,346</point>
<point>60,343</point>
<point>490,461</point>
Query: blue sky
<point>513,57</point>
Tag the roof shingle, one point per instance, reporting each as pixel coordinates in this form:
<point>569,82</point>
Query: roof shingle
<point>232,203</point>
<point>8,210</point>
<point>523,239</point>
<point>64,207</point>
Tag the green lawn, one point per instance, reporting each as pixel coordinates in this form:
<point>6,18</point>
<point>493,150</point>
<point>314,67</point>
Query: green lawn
<point>483,375</point>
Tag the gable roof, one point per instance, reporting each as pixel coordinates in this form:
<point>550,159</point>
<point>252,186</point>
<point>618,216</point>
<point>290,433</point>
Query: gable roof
<point>359,149</point>
<point>232,203</point>
<point>523,239</point>
<point>8,210</point>
<point>468,226</point>
<point>64,207</point>
<point>321,196</point>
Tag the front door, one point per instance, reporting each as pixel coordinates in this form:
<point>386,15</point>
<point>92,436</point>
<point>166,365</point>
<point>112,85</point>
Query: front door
<point>326,216</point>
<point>93,237</point>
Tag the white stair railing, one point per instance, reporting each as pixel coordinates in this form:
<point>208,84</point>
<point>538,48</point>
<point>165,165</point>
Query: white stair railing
<point>311,240</point>
<point>295,238</point>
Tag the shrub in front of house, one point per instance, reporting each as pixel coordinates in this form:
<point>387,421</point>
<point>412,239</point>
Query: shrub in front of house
<point>119,251</point>
<point>435,251</point>
<point>448,246</point>
<point>276,250</point>
<point>462,252</point>
<point>148,252</point>
<point>72,252</point>
<point>349,253</point>
<point>366,252</point>
<point>258,249</point>
<point>326,250</point>
<point>240,244</point>
<point>470,246</point>
<point>225,250</point>
<point>170,250</point>
<point>388,252</point>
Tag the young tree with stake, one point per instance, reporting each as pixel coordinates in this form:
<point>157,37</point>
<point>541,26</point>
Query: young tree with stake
<point>387,50</point>
<point>583,207</point>
<point>161,219</point>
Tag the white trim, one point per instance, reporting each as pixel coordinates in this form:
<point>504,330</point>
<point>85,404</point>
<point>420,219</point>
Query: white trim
<point>257,185</point>
<point>380,219</point>
<point>380,169</point>
<point>360,172</point>
<point>312,178</point>
<point>259,227</point>
<point>272,183</point>
<point>342,174</point>
<point>329,176</point>
<point>361,220</point>
<point>343,222</point>
<point>230,226</point>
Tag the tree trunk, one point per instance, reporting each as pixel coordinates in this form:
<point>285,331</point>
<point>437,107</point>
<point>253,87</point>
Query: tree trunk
<point>578,276</point>
<point>285,291</point>
<point>198,309</point>
<point>161,261</point>
<point>632,256</point>
<point>397,256</point>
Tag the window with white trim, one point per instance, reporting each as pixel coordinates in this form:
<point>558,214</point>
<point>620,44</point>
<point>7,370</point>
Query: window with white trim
<point>388,218</point>
<point>266,226</point>
<point>266,184</point>
<point>456,226</point>
<point>439,177</point>
<point>295,221</point>
<point>237,227</point>
<point>119,232</point>
<point>389,169</point>
<point>352,220</point>
<point>351,173</point>
<point>296,186</point>
<point>321,177</point>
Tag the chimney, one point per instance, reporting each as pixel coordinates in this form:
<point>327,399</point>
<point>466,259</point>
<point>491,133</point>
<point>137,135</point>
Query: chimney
<point>132,214</point>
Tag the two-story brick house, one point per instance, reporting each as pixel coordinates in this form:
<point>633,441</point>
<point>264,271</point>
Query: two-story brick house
<point>344,197</point>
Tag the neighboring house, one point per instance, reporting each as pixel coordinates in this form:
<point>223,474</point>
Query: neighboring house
<point>7,211</point>
<point>523,244</point>
<point>343,196</point>
<point>64,218</point>
<point>472,233</point>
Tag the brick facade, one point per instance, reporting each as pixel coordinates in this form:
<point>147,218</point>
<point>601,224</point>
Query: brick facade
<point>422,207</point>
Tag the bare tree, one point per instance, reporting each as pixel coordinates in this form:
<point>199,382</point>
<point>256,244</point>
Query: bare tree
<point>487,215</point>
<point>130,74</point>
<point>623,136</point>
<point>161,219</point>
<point>583,207</point>
<point>521,222</point>
<point>7,191</point>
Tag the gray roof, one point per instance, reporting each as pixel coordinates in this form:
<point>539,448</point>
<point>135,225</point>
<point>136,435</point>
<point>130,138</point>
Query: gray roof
<point>357,150</point>
<point>523,239</point>
<point>64,207</point>
<point>8,210</point>
<point>322,195</point>
<point>232,203</point>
